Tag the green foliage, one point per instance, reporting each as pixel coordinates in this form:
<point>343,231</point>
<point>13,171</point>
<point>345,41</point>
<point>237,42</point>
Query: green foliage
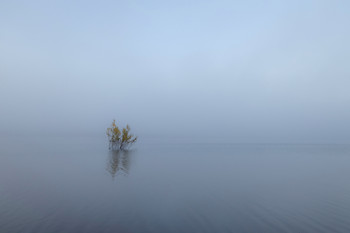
<point>120,139</point>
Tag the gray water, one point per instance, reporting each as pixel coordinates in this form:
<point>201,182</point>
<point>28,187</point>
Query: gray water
<point>58,184</point>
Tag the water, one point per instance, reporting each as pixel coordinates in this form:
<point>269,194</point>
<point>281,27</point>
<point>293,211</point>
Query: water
<point>77,185</point>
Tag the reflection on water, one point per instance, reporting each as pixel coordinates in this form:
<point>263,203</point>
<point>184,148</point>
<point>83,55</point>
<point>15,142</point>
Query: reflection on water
<point>119,162</point>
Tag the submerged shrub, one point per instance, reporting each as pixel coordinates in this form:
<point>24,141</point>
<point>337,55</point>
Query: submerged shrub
<point>120,139</point>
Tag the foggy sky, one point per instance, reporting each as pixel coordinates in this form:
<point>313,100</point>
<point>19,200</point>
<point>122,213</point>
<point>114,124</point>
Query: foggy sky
<point>246,71</point>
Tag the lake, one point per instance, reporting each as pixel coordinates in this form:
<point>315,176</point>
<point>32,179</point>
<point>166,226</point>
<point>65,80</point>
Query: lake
<point>75,184</point>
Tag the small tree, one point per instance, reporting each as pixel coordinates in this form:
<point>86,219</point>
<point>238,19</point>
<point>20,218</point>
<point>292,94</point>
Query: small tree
<point>119,139</point>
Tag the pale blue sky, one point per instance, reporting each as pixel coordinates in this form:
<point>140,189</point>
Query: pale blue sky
<point>251,71</point>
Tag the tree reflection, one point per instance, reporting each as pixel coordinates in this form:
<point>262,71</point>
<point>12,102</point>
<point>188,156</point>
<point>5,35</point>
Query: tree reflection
<point>119,162</point>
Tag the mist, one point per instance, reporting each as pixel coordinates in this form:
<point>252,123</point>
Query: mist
<point>238,71</point>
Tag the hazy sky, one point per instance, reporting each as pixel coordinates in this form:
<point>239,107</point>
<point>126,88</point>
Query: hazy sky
<point>251,71</point>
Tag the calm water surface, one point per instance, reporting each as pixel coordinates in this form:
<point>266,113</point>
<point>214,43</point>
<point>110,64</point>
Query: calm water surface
<point>77,185</point>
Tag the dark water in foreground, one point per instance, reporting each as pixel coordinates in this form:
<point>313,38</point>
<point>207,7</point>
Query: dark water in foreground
<point>77,185</point>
